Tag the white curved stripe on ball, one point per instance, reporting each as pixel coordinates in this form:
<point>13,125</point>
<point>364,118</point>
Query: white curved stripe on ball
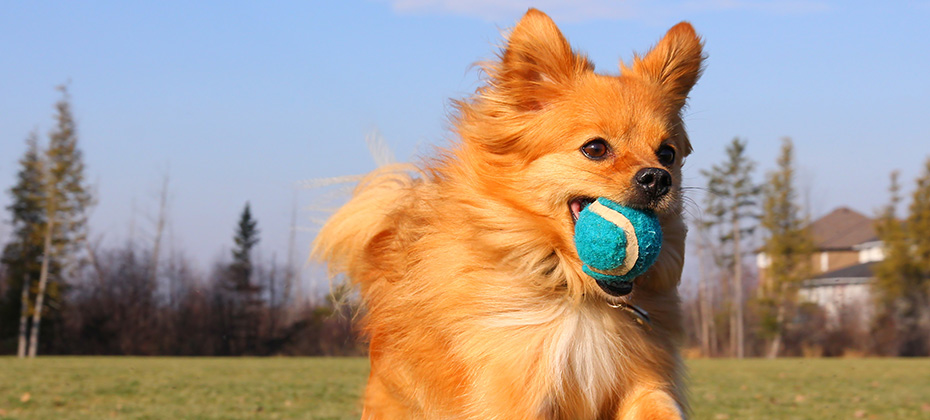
<point>632,243</point>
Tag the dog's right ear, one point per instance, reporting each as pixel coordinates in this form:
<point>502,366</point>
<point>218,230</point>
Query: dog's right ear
<point>535,63</point>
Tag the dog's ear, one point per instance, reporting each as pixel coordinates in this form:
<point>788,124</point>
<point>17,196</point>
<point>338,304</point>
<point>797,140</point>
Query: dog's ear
<point>675,62</point>
<point>535,63</point>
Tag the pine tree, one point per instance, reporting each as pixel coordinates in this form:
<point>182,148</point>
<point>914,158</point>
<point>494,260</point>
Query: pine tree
<point>67,198</point>
<point>245,239</point>
<point>916,328</point>
<point>731,202</point>
<point>897,259</point>
<point>788,247</point>
<point>895,275</point>
<point>22,256</point>
<point>243,301</point>
<point>918,222</point>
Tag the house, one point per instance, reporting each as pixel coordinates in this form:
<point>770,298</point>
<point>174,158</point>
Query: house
<point>844,294</point>
<point>847,250</point>
<point>844,237</point>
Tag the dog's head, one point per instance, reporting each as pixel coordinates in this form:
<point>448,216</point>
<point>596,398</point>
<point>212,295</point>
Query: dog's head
<point>549,135</point>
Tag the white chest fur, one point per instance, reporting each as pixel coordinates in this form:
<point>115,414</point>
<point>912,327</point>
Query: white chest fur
<point>584,358</point>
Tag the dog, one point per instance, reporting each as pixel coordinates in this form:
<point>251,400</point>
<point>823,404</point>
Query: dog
<point>475,302</point>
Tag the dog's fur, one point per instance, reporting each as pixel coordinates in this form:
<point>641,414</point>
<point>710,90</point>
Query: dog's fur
<point>476,305</point>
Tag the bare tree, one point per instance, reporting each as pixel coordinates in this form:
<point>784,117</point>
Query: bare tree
<point>291,274</point>
<point>159,228</point>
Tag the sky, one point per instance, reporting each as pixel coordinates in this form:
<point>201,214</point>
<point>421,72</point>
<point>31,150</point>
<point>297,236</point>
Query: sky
<point>240,101</point>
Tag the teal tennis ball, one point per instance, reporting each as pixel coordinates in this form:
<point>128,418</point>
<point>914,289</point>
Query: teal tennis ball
<point>617,243</point>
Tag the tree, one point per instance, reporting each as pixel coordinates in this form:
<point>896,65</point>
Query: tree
<point>731,203</point>
<point>918,228</point>
<point>788,247</point>
<point>903,277</point>
<point>896,274</point>
<point>242,300</point>
<point>159,230</point>
<point>246,238</point>
<point>707,328</point>
<point>67,198</point>
<point>918,222</point>
<point>23,254</point>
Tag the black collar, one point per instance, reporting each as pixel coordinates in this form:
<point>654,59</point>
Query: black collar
<point>638,314</point>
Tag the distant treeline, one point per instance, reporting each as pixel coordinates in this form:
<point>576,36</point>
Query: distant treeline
<point>114,306</point>
<point>61,293</point>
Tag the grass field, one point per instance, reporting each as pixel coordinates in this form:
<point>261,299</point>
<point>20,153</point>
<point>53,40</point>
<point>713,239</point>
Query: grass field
<point>311,388</point>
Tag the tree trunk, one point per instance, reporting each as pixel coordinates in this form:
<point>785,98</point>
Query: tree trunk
<point>24,318</point>
<point>43,283</point>
<point>779,325</point>
<point>703,325</point>
<point>707,318</point>
<point>736,326</point>
<point>272,300</point>
<point>776,342</point>
<point>289,274</point>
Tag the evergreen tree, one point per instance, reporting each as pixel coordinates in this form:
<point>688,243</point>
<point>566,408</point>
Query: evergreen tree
<point>788,247</point>
<point>22,256</point>
<point>896,275</point>
<point>916,328</point>
<point>918,222</point>
<point>897,259</point>
<point>246,238</point>
<point>731,202</point>
<point>67,198</point>
<point>243,296</point>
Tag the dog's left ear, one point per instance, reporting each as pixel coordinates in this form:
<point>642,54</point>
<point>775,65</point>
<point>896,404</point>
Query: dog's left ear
<point>675,62</point>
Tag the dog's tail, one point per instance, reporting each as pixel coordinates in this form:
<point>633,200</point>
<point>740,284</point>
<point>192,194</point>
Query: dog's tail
<point>355,241</point>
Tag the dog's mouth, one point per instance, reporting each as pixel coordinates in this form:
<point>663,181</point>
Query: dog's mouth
<point>576,205</point>
<point>616,289</point>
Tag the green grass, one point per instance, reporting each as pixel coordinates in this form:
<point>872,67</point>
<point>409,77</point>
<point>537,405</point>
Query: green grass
<point>181,388</point>
<point>320,388</point>
<point>811,389</point>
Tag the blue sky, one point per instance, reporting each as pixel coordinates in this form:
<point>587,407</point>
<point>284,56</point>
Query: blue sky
<point>239,101</point>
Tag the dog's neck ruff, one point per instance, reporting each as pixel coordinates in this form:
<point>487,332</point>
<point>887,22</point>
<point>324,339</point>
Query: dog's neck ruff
<point>639,315</point>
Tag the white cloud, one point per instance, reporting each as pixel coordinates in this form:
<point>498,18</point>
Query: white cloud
<point>582,10</point>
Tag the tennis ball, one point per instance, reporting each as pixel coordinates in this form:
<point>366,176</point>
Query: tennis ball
<point>617,243</point>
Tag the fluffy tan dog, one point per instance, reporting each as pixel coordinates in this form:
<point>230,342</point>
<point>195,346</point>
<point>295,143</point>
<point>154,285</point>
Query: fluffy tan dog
<point>476,304</point>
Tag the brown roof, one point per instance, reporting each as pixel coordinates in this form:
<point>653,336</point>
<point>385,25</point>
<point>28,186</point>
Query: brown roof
<point>842,228</point>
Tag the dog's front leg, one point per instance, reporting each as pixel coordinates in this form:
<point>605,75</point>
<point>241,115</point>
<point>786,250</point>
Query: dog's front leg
<point>647,403</point>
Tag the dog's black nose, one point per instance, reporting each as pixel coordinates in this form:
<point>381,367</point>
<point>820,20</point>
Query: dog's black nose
<point>654,182</point>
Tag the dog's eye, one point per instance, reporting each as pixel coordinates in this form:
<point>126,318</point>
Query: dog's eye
<point>595,149</point>
<point>666,155</point>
